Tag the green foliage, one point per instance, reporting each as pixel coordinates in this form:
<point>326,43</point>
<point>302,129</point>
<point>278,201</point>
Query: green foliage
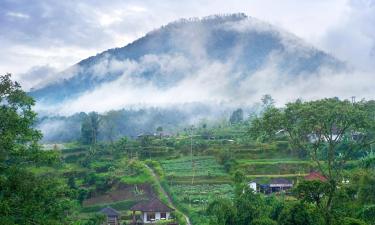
<point>366,193</point>
<point>263,221</point>
<point>311,191</point>
<point>330,130</point>
<point>296,214</point>
<point>352,221</point>
<point>90,128</point>
<point>246,208</point>
<point>226,159</point>
<point>236,117</point>
<point>97,219</point>
<point>367,213</point>
<point>26,198</point>
<point>29,199</point>
<point>18,140</point>
<point>222,212</point>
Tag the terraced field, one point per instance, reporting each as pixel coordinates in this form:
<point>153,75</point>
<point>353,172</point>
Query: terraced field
<point>203,166</point>
<point>274,167</point>
<point>192,188</point>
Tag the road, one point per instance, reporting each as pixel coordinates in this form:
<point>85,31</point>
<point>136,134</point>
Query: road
<point>166,194</point>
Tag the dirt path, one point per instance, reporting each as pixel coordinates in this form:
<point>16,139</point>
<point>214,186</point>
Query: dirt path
<point>166,194</point>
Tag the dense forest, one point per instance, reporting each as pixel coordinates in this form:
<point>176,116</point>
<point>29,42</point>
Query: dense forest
<point>203,170</point>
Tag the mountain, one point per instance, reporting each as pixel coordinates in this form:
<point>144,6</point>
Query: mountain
<point>215,48</point>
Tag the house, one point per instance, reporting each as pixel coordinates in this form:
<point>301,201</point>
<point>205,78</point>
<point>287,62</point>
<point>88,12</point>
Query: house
<point>152,211</point>
<point>315,176</point>
<point>112,216</point>
<point>280,184</point>
<point>255,185</point>
<point>146,135</point>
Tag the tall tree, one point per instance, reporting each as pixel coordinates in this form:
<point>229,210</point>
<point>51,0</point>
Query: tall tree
<point>25,198</point>
<point>236,117</point>
<point>329,129</point>
<point>90,128</point>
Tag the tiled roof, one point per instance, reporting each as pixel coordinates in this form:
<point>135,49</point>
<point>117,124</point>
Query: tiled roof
<point>109,211</point>
<point>280,181</point>
<point>315,176</point>
<point>153,205</point>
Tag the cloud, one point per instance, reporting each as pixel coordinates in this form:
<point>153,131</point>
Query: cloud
<point>353,39</point>
<point>213,83</point>
<point>38,75</point>
<point>18,15</point>
<point>60,33</point>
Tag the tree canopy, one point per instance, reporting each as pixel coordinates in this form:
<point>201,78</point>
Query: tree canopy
<point>331,131</point>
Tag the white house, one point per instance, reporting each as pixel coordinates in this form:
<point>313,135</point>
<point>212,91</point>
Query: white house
<point>152,211</point>
<point>254,185</point>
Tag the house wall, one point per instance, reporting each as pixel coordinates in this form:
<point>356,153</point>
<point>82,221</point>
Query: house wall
<point>253,186</point>
<point>157,216</point>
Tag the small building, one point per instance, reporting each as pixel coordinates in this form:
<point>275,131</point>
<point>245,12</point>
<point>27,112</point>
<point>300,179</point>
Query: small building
<point>280,184</point>
<point>255,185</point>
<point>112,216</point>
<point>315,176</point>
<point>152,211</point>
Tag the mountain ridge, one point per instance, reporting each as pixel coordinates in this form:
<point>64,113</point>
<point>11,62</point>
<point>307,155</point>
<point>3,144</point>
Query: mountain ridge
<point>247,44</point>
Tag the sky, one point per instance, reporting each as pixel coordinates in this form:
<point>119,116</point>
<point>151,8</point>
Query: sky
<point>40,37</point>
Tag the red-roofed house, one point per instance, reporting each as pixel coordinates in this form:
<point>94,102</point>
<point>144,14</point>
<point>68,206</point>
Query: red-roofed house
<point>315,176</point>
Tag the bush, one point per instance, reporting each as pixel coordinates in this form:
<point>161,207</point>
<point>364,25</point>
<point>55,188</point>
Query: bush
<point>263,221</point>
<point>296,214</point>
<point>352,221</point>
<point>368,214</point>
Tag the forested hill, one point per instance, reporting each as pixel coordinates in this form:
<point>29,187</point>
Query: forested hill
<point>236,44</point>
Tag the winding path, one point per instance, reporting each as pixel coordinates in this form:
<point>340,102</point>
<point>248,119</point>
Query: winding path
<point>166,194</point>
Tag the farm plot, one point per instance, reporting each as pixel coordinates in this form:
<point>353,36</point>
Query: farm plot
<point>272,167</point>
<point>203,166</point>
<point>195,198</point>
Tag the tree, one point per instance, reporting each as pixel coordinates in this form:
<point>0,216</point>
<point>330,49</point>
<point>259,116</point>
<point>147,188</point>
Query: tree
<point>109,124</point>
<point>321,128</point>
<point>311,191</point>
<point>17,137</point>
<point>236,117</point>
<point>296,214</point>
<point>159,130</point>
<point>90,128</point>
<point>30,199</point>
<point>246,208</point>
<point>26,198</point>
<point>222,212</point>
<point>267,102</point>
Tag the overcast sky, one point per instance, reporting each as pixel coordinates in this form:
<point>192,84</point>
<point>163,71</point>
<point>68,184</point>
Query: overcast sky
<point>43,36</point>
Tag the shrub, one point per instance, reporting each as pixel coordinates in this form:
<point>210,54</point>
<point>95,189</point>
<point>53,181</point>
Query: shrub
<point>352,221</point>
<point>263,221</point>
<point>368,214</point>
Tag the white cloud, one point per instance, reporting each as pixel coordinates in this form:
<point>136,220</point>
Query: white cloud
<point>18,15</point>
<point>213,82</point>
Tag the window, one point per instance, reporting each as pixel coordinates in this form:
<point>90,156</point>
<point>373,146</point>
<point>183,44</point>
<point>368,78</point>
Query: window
<point>150,216</point>
<point>163,215</point>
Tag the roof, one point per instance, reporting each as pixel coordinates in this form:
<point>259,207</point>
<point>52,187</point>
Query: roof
<point>280,181</point>
<point>109,211</point>
<point>153,205</point>
<point>315,176</point>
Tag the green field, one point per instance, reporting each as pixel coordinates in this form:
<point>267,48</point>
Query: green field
<point>203,166</point>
